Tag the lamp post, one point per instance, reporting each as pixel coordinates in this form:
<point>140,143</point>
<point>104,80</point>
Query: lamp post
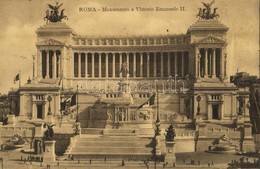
<point>77,117</point>
<point>225,66</point>
<point>175,83</point>
<point>61,108</point>
<point>49,108</point>
<point>198,98</point>
<point>158,129</point>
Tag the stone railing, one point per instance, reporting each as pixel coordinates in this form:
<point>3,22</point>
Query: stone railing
<point>138,41</point>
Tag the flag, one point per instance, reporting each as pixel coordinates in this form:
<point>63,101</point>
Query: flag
<point>17,77</point>
<point>68,102</point>
<point>150,102</point>
<point>73,99</point>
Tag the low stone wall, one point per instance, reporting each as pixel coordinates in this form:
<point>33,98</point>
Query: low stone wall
<point>8,132</point>
<point>256,138</point>
<point>184,144</point>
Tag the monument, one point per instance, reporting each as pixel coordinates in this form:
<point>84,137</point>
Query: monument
<point>119,81</point>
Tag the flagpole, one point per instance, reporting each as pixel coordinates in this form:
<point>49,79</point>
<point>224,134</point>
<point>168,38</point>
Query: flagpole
<point>157,124</point>
<point>77,118</point>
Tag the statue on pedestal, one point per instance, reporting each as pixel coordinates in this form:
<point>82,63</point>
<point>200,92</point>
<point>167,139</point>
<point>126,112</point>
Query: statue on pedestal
<point>241,105</point>
<point>77,128</point>
<point>49,133</point>
<point>124,70</point>
<point>206,13</point>
<point>170,133</point>
<point>54,16</point>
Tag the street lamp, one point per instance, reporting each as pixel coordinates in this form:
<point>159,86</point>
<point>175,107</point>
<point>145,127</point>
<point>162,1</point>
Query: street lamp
<point>49,108</point>
<point>198,98</point>
<point>225,66</point>
<point>158,129</point>
<point>175,83</point>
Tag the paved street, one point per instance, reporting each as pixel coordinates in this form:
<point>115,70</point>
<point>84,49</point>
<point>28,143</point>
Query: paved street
<point>12,161</point>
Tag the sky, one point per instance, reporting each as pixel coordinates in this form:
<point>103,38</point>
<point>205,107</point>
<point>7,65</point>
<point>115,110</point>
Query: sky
<point>19,20</point>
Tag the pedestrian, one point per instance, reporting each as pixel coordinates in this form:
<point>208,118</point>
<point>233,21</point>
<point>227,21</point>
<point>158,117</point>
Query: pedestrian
<point>123,163</point>
<point>105,159</point>
<point>208,164</point>
<point>90,161</point>
<point>183,161</point>
<point>199,162</point>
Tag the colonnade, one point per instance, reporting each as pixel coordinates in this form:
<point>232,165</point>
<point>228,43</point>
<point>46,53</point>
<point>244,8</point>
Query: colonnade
<point>139,64</point>
<point>210,62</point>
<point>50,61</point>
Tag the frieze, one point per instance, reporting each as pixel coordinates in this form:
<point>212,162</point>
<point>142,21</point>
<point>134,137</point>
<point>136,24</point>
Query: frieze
<point>118,49</point>
<point>50,42</point>
<point>178,40</point>
<point>210,40</point>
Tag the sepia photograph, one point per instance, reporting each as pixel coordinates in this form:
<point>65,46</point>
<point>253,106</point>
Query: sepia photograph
<point>136,84</point>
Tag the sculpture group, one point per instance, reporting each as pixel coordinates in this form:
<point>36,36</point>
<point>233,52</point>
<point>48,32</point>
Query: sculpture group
<point>55,15</point>
<point>206,13</point>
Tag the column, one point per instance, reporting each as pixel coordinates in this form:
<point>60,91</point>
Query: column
<point>210,65</point>
<point>114,64</point>
<point>161,64</point>
<point>47,64</point>
<point>35,67</point>
<point>21,105</point>
<point>106,55</point>
<point>33,109</point>
<point>182,63</point>
<point>148,64</point>
<point>54,64</point>
<point>199,66</point>
<point>134,64</point>
<point>222,60</point>
<point>58,65</point>
<point>86,65</point>
<point>141,64</point>
<point>214,62</point>
<point>120,64</point>
<point>169,64</point>
<point>175,62</point>
<point>154,65</point>
<point>63,72</point>
<point>127,61</point>
<point>206,63</point>
<point>99,65</point>
<point>93,64</point>
<point>79,64</point>
<point>39,66</point>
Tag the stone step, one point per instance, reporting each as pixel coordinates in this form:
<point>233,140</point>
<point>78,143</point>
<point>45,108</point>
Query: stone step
<point>115,157</point>
<point>111,150</point>
<point>92,131</point>
<point>112,138</point>
<point>112,143</point>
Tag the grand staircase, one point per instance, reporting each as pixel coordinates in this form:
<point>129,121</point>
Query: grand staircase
<point>113,144</point>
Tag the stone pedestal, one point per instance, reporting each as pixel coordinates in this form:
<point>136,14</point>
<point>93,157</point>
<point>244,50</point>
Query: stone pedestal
<point>49,119</point>
<point>158,146</point>
<point>170,155</point>
<point>11,119</point>
<point>49,154</point>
